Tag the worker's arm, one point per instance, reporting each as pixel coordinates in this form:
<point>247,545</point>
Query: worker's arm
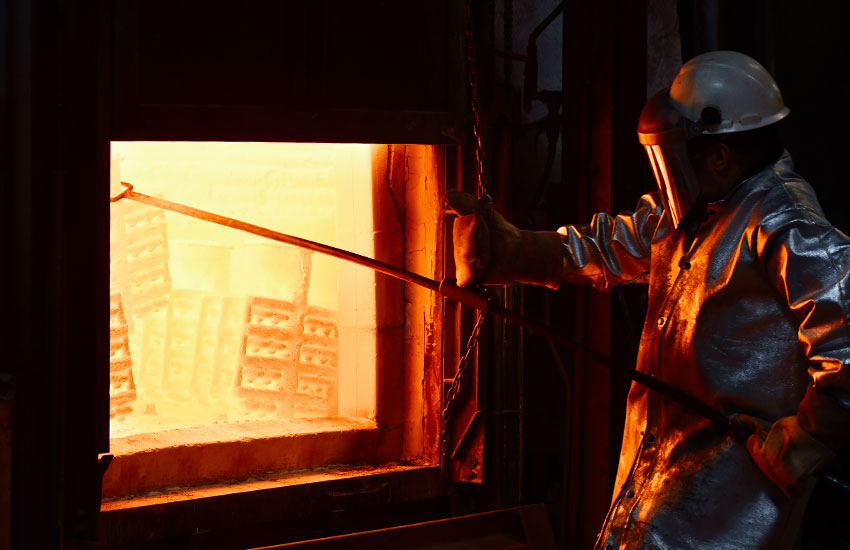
<point>609,250</point>
<point>809,263</point>
<point>613,250</point>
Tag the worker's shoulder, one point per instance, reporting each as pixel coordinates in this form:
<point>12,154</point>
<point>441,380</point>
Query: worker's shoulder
<point>786,197</point>
<point>792,215</point>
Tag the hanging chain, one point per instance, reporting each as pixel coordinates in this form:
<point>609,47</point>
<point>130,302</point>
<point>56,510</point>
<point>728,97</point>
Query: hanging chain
<point>481,180</point>
<point>454,389</point>
<point>475,101</point>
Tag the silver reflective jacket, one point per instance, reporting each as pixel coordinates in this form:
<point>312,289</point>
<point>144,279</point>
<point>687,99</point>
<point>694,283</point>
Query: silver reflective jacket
<point>746,318</point>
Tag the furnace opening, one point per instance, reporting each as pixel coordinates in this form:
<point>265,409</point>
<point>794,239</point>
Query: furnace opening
<point>213,326</point>
<point>233,357</point>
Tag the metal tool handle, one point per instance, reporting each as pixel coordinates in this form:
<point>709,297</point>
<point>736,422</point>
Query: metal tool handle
<point>474,298</point>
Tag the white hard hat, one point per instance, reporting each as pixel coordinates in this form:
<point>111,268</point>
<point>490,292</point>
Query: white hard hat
<point>714,93</point>
<point>725,92</point>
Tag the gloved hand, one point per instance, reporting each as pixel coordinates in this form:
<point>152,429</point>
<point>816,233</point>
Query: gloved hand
<point>498,253</point>
<point>784,451</point>
<point>793,448</point>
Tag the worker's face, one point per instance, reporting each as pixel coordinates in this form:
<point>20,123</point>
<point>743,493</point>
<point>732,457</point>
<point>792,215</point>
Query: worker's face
<point>712,169</point>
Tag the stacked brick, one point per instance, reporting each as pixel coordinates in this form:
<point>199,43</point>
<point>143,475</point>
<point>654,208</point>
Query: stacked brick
<point>288,366</point>
<point>271,343</point>
<point>139,258</point>
<point>316,372</point>
<point>278,357</point>
<point>139,282</point>
<point>122,389</point>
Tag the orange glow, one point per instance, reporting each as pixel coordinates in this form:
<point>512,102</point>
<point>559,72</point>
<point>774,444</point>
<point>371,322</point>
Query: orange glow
<point>210,325</point>
<point>659,167</point>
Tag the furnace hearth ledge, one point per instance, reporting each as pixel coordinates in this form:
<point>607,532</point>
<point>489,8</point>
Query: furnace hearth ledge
<point>290,499</point>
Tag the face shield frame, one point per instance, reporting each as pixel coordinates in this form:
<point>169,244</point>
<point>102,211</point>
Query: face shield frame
<point>664,133</point>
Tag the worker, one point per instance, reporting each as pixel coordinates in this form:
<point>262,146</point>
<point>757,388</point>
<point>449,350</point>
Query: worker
<point>748,311</point>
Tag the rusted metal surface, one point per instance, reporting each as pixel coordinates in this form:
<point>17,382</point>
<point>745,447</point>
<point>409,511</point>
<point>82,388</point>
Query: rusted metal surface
<point>462,420</point>
<point>467,453</point>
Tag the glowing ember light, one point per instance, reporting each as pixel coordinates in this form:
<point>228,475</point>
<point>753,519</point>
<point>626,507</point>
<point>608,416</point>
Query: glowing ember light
<point>210,325</point>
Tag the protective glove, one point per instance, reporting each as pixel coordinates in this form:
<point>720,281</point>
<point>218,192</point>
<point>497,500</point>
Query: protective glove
<point>793,448</point>
<point>496,252</point>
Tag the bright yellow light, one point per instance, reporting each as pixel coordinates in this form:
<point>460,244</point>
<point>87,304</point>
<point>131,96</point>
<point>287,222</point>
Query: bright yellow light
<point>225,326</point>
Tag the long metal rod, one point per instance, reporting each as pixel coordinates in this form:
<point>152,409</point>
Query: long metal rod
<point>353,257</point>
<point>447,288</point>
<point>469,297</point>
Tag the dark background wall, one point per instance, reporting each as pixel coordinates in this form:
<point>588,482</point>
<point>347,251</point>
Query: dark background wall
<point>593,58</point>
<point>805,46</point>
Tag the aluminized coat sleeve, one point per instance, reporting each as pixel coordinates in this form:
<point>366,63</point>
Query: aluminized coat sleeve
<point>614,250</point>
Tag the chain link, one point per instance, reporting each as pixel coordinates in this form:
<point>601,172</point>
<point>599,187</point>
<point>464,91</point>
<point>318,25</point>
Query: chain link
<point>454,389</point>
<point>481,178</point>
<point>481,188</point>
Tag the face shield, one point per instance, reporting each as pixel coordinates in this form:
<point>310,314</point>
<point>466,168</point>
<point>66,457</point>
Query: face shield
<point>663,132</point>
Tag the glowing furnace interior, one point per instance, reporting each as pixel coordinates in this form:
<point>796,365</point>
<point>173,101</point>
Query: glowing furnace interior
<point>212,326</point>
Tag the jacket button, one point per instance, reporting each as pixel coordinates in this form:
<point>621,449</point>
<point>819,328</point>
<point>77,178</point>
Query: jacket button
<point>661,321</point>
<point>684,264</point>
